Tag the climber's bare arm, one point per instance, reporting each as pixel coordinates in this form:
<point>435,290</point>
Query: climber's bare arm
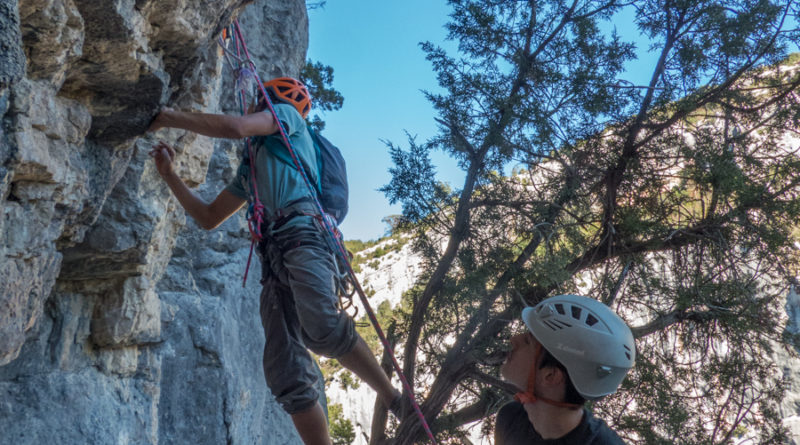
<point>208,216</point>
<point>216,125</point>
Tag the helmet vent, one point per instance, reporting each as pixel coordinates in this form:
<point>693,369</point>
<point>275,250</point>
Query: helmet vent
<point>290,91</point>
<point>560,309</point>
<point>556,325</point>
<point>550,325</point>
<point>576,312</point>
<point>590,320</point>
<point>627,351</point>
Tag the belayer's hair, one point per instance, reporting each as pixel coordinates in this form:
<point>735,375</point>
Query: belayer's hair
<point>571,394</point>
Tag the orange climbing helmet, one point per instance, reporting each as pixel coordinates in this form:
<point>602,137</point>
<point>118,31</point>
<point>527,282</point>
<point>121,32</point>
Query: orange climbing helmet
<point>290,91</point>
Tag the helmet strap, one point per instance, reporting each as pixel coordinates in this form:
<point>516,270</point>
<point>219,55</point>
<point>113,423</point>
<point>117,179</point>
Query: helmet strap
<point>529,397</point>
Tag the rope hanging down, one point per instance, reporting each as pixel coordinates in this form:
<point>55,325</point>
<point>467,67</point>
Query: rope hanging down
<point>256,210</point>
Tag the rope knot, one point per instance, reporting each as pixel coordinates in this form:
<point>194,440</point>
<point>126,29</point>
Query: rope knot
<point>255,218</point>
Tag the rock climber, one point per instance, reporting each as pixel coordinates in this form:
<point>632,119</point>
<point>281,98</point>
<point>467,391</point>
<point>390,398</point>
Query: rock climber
<point>573,350</point>
<point>298,302</point>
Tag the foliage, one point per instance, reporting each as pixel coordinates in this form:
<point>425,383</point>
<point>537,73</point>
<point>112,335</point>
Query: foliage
<point>355,246</point>
<point>318,78</point>
<point>394,224</point>
<point>347,381</point>
<point>333,371</point>
<point>672,202</point>
<point>329,368</point>
<point>341,429</point>
<point>386,318</point>
<point>389,244</point>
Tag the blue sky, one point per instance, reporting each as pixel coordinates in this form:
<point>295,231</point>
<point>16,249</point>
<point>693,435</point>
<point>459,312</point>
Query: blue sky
<point>373,47</point>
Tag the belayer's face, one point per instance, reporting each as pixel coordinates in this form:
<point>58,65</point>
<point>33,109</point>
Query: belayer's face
<point>518,363</point>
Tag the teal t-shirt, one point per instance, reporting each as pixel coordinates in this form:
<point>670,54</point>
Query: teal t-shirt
<point>278,183</point>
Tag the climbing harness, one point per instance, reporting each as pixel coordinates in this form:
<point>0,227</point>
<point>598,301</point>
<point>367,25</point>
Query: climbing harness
<point>345,290</point>
<point>247,68</point>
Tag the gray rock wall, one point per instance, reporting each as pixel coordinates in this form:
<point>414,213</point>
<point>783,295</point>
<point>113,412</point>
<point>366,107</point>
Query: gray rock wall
<point>790,407</point>
<point>122,322</point>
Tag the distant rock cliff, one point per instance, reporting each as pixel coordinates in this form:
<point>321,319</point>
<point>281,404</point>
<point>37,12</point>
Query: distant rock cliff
<point>121,322</point>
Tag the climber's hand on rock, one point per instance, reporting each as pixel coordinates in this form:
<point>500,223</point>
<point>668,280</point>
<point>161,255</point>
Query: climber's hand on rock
<point>163,154</point>
<point>161,120</point>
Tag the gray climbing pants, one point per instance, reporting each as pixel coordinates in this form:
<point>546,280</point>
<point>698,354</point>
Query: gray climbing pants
<point>299,310</point>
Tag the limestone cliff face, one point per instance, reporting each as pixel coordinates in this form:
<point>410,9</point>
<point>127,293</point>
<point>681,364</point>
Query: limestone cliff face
<point>120,320</point>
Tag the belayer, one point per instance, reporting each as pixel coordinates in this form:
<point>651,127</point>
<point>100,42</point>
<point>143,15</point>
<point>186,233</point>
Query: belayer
<point>573,350</point>
<point>298,301</point>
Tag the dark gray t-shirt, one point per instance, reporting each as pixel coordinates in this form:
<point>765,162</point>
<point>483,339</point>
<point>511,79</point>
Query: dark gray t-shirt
<point>514,428</point>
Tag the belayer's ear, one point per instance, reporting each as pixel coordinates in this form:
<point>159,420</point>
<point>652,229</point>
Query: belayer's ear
<point>552,375</point>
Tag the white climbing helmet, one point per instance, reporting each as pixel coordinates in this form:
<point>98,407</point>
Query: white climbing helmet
<point>588,338</point>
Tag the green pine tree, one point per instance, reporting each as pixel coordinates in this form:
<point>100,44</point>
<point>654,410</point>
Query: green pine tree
<point>341,429</point>
<point>673,202</point>
<point>318,78</point>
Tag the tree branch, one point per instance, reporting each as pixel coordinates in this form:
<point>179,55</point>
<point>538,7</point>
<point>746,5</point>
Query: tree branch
<point>468,414</point>
<point>613,295</point>
<point>461,220</point>
<point>664,321</point>
<point>490,380</point>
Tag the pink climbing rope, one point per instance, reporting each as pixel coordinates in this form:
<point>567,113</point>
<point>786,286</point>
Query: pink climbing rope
<point>329,226</point>
<point>255,211</point>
